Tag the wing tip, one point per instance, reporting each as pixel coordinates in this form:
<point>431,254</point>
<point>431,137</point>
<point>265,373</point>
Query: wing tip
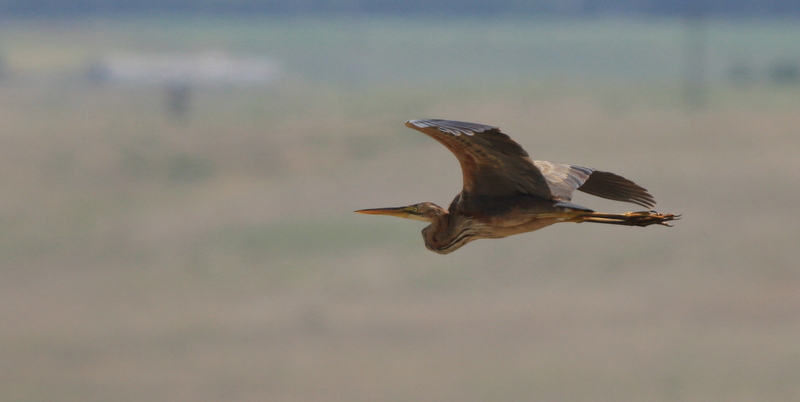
<point>615,187</point>
<point>452,127</point>
<point>412,123</point>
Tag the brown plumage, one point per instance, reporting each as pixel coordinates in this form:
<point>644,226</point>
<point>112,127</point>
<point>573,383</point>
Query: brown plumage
<point>506,192</point>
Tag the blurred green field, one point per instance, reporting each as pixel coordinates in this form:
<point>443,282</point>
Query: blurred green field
<point>216,256</point>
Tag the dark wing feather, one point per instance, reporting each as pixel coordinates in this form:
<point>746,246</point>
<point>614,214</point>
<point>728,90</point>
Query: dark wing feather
<point>615,187</point>
<point>491,162</point>
<point>564,179</point>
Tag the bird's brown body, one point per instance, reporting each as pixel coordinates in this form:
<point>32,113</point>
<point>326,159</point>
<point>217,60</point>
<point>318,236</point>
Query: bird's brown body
<point>507,193</point>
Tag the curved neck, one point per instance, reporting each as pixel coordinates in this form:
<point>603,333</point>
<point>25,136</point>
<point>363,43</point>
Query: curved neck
<point>447,233</point>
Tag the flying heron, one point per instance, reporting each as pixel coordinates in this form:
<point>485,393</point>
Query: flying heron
<point>506,192</point>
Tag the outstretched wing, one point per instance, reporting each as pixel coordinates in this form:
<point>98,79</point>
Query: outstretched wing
<point>564,178</point>
<point>491,162</point>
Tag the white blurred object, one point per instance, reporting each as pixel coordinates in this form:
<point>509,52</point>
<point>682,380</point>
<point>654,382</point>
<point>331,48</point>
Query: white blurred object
<point>212,67</point>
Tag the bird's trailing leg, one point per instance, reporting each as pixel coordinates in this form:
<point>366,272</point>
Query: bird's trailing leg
<point>641,218</point>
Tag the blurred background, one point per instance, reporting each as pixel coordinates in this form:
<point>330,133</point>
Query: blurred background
<point>178,179</point>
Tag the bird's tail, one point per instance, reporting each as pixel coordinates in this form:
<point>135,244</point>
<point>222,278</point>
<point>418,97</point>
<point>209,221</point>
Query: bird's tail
<point>641,218</point>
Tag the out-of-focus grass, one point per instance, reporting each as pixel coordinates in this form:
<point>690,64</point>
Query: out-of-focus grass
<point>217,256</point>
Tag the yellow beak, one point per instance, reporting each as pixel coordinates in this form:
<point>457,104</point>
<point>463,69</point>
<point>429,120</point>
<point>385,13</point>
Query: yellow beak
<point>400,212</point>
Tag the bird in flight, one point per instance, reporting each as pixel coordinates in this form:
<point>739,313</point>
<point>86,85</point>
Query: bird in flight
<point>506,192</point>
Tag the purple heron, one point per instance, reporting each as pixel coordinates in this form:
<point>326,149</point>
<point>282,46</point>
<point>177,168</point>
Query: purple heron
<point>506,192</point>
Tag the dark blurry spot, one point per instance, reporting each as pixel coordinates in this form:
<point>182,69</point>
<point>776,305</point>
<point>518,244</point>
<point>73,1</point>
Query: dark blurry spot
<point>784,72</point>
<point>184,168</point>
<point>178,96</point>
<point>96,73</point>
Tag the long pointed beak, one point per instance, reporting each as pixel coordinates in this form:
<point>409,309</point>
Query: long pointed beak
<point>400,212</point>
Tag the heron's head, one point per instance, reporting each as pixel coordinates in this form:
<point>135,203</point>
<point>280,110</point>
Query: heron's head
<point>424,211</point>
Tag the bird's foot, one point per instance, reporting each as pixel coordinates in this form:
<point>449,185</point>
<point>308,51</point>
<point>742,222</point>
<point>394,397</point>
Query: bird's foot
<point>646,218</point>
